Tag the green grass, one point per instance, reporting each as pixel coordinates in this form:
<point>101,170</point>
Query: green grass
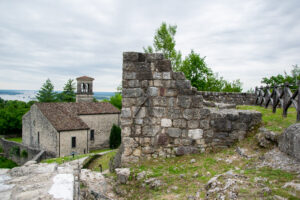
<point>17,139</point>
<point>70,158</point>
<point>7,163</point>
<point>207,165</point>
<point>274,121</point>
<point>103,161</point>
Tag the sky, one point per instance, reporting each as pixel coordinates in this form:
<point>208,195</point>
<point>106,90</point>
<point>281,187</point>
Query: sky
<point>63,39</point>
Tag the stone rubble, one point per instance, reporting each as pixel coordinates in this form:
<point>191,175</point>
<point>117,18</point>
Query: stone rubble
<point>122,175</point>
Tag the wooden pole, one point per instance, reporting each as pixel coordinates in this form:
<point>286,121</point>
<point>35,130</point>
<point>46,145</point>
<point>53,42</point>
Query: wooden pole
<point>298,102</point>
<point>274,98</point>
<point>285,99</point>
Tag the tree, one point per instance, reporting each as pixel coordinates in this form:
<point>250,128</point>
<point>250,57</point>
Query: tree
<point>115,137</point>
<point>193,66</point>
<point>164,42</point>
<point>280,79</point>
<point>46,93</point>
<point>11,113</point>
<point>116,100</point>
<point>196,70</point>
<point>68,93</point>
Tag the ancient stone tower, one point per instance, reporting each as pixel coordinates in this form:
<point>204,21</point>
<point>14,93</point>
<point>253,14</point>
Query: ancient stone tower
<point>84,89</point>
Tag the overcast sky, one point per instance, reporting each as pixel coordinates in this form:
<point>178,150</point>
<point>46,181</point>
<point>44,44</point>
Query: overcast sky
<point>62,39</point>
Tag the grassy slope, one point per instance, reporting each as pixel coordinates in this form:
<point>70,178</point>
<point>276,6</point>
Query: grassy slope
<point>17,139</point>
<point>208,165</point>
<point>274,121</point>
<point>70,158</point>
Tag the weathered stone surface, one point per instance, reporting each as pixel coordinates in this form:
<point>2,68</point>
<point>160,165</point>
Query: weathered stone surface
<point>289,142</point>
<point>179,123</point>
<point>184,101</point>
<point>136,92</point>
<point>166,122</point>
<point>126,112</point>
<point>129,75</point>
<point>122,175</point>
<point>195,134</point>
<point>173,119</point>
<point>152,91</point>
<point>174,132</point>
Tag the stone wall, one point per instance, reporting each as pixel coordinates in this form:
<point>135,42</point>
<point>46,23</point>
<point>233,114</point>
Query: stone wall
<point>101,124</point>
<point>229,97</point>
<point>163,115</point>
<point>38,132</point>
<point>19,159</point>
<point>66,142</point>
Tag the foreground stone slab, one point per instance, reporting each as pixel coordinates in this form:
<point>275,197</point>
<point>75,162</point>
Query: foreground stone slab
<point>289,141</point>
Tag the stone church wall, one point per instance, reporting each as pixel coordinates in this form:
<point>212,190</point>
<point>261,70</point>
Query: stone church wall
<point>101,124</point>
<point>162,115</point>
<point>34,122</point>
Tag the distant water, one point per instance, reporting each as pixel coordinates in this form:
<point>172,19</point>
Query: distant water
<point>30,95</point>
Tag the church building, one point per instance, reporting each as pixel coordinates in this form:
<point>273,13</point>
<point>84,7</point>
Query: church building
<point>63,128</point>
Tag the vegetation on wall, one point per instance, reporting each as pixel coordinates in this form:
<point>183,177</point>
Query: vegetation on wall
<point>193,66</point>
<point>15,150</point>
<point>115,137</point>
<point>11,113</point>
<point>24,153</point>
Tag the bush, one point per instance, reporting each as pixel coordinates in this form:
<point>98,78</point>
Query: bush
<point>6,163</point>
<point>115,137</point>
<point>15,150</point>
<point>1,149</point>
<point>24,154</point>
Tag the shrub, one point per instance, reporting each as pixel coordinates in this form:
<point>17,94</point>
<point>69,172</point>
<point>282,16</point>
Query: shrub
<point>15,150</point>
<point>24,154</point>
<point>1,149</point>
<point>115,137</point>
<point>6,163</point>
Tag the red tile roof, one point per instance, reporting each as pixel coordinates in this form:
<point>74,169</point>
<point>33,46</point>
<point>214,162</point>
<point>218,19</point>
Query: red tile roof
<point>84,78</point>
<point>65,116</point>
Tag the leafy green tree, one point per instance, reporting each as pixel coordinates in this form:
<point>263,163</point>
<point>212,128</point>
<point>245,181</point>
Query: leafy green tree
<point>68,93</point>
<point>202,77</point>
<point>46,93</point>
<point>115,137</point>
<point>11,113</point>
<point>164,42</point>
<point>116,100</point>
<point>280,79</point>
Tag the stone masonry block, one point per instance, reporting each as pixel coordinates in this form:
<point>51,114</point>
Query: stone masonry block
<point>166,122</point>
<point>166,75</point>
<point>195,134</point>
<point>184,101</point>
<point>129,75</point>
<point>174,132</point>
<point>188,114</point>
<point>132,92</point>
<point>150,130</point>
<point>157,75</point>
<point>179,123</point>
<point>183,84</point>
<point>179,76</point>
<point>193,123</point>
<point>126,112</point>
<point>152,91</point>
<point>163,65</point>
<point>158,111</point>
<point>133,83</point>
<point>159,101</point>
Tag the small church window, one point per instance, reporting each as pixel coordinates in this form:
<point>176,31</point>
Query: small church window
<point>92,135</point>
<point>73,142</point>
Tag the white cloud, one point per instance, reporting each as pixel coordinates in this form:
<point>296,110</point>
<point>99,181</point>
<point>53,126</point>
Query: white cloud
<point>69,38</point>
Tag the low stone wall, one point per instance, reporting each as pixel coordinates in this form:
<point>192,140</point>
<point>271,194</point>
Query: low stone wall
<point>163,115</point>
<point>229,97</point>
<point>20,159</point>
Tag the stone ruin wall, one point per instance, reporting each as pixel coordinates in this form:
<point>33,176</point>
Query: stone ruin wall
<point>163,116</point>
<point>229,97</point>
